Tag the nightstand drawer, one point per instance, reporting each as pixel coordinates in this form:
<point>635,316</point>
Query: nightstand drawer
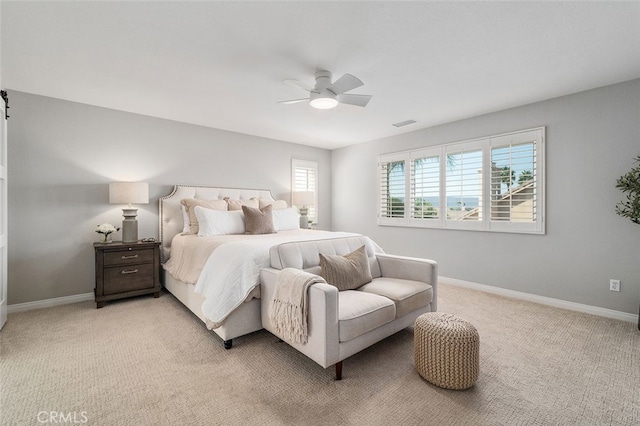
<point>120,279</point>
<point>128,257</point>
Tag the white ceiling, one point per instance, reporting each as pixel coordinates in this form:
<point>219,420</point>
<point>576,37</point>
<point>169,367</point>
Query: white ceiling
<point>221,64</point>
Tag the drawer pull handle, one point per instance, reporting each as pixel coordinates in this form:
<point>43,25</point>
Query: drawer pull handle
<point>129,272</point>
<point>129,257</point>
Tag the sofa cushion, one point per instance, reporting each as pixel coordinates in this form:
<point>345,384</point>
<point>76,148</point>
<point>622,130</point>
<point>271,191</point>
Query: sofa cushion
<point>360,312</point>
<point>346,272</point>
<point>406,294</point>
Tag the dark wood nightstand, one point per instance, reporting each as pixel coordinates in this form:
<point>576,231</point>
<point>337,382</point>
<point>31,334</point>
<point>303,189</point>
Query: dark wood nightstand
<point>126,270</point>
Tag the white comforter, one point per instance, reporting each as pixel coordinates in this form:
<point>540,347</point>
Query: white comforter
<point>232,270</point>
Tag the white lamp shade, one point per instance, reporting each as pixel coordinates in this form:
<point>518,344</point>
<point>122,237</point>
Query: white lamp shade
<point>303,198</point>
<point>128,193</point>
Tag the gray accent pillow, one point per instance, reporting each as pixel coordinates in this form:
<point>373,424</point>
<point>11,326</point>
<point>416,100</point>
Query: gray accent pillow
<point>258,221</point>
<point>346,272</point>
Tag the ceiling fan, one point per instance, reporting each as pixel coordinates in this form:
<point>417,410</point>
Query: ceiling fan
<point>327,95</point>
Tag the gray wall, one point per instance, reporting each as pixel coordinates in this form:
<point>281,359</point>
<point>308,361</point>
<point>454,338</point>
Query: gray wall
<point>62,155</point>
<point>592,139</point>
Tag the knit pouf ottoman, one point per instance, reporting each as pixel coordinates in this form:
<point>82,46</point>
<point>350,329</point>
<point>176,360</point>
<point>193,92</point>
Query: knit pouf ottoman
<point>446,350</point>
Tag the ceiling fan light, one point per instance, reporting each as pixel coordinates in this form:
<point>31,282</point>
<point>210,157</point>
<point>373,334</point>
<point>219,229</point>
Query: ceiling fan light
<point>324,103</point>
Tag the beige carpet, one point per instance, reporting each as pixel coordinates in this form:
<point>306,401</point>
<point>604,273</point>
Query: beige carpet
<point>148,361</point>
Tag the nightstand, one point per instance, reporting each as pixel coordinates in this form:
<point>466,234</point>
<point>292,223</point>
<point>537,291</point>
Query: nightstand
<point>126,270</point>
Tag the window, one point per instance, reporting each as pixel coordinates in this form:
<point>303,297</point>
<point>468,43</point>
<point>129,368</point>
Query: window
<point>488,184</point>
<point>304,177</point>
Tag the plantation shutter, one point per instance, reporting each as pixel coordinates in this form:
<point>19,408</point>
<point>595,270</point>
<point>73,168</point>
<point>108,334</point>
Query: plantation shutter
<point>515,181</point>
<point>425,185</point>
<point>464,183</point>
<point>393,185</point>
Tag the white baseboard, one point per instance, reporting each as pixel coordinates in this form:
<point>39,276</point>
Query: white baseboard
<point>587,309</point>
<point>47,303</point>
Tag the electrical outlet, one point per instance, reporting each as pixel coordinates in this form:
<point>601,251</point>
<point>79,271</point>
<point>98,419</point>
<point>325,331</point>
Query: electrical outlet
<point>614,285</point>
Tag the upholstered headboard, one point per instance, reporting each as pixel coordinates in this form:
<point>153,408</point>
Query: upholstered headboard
<point>170,217</point>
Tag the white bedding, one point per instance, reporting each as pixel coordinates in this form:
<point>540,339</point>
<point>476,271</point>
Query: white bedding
<point>226,269</point>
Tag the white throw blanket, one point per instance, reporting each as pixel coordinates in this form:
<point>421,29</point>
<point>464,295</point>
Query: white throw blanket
<point>288,308</point>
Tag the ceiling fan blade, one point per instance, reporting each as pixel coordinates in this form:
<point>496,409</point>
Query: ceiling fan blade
<point>293,101</point>
<point>300,85</point>
<point>357,100</point>
<point>344,84</point>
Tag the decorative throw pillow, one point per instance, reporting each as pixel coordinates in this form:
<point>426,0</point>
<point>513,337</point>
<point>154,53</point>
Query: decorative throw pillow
<point>286,219</point>
<point>346,272</point>
<point>258,221</point>
<point>191,203</point>
<point>219,222</point>
<point>237,204</point>
<point>275,205</point>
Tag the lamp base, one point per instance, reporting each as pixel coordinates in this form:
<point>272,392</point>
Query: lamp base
<point>304,220</point>
<point>129,226</point>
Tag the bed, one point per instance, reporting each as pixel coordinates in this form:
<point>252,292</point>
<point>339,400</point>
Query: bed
<point>216,277</point>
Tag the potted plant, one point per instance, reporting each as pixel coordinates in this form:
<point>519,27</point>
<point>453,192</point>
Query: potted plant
<point>629,184</point>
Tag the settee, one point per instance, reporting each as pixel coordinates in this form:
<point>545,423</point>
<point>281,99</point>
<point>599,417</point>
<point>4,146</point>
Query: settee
<point>342,323</point>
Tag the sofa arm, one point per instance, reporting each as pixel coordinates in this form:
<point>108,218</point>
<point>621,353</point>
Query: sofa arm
<point>410,268</point>
<point>323,327</point>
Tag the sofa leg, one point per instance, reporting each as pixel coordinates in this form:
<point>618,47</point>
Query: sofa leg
<point>228,344</point>
<point>339,370</point>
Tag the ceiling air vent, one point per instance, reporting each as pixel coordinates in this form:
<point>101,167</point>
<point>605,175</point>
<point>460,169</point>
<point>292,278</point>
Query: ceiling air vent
<point>404,123</point>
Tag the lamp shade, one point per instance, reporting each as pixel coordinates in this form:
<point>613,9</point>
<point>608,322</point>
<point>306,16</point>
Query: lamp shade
<point>128,193</point>
<point>303,198</point>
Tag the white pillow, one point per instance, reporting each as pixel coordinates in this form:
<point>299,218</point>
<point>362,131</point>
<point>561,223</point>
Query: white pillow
<point>285,219</point>
<point>219,222</point>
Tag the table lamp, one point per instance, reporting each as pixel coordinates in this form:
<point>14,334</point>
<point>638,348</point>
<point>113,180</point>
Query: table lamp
<point>129,193</point>
<point>303,199</point>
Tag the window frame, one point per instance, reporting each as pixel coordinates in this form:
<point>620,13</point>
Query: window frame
<point>486,222</point>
